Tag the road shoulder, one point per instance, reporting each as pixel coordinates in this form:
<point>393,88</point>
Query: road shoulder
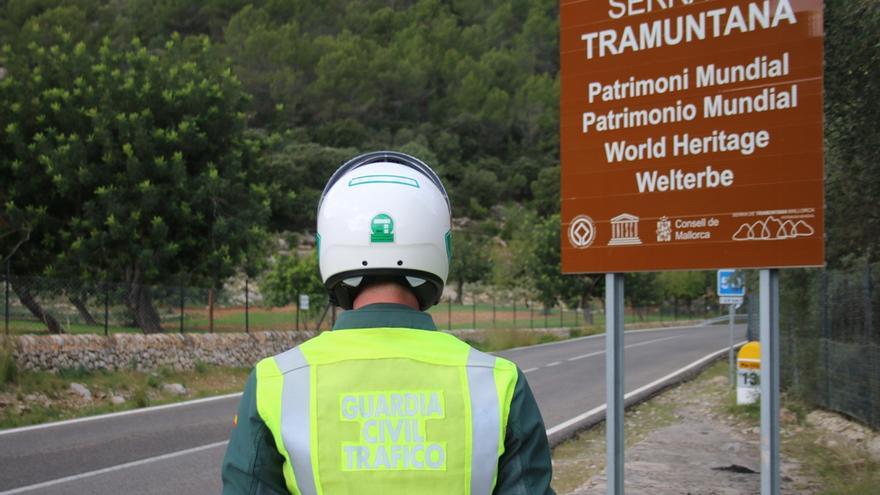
<point>687,440</point>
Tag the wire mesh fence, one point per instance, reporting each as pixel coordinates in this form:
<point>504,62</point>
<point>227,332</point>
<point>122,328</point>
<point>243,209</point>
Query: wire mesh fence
<point>49,305</point>
<point>830,340</point>
<point>45,305</point>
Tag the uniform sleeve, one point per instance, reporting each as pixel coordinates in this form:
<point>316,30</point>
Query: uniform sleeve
<point>252,464</point>
<point>525,467</point>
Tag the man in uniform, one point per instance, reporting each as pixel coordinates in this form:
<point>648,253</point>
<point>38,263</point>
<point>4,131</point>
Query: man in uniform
<point>385,404</point>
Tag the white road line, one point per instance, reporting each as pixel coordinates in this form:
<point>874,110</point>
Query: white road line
<point>529,370</point>
<point>89,474</point>
<point>584,356</point>
<point>602,335</point>
<point>680,371</point>
<point>591,354</point>
<point>117,414</point>
<point>554,363</point>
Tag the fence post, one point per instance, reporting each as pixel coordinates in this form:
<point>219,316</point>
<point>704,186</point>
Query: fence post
<point>297,314</point>
<point>182,305</point>
<point>514,313</point>
<point>211,310</point>
<point>247,309</point>
<point>531,315</point>
<point>826,337</point>
<point>106,309</point>
<point>869,324</point>
<point>474,316</point>
<point>449,314</point>
<point>577,316</point>
<point>6,310</point>
<point>869,330</point>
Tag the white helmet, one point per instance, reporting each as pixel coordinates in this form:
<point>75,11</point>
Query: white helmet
<point>384,215</point>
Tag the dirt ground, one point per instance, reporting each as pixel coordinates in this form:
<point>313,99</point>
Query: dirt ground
<point>685,441</point>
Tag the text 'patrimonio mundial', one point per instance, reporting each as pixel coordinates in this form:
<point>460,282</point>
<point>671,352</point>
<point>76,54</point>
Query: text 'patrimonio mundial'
<point>392,434</point>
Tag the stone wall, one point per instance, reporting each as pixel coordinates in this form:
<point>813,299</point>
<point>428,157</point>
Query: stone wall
<point>150,352</point>
<point>129,351</point>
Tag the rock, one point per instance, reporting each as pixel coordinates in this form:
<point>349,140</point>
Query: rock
<point>81,390</point>
<point>873,447</point>
<point>787,416</point>
<point>117,400</point>
<point>718,381</point>
<point>174,388</point>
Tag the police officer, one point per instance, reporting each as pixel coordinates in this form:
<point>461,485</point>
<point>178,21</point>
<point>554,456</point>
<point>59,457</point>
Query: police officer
<point>385,404</point>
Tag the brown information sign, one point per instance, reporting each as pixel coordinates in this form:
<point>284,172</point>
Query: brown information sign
<point>691,134</point>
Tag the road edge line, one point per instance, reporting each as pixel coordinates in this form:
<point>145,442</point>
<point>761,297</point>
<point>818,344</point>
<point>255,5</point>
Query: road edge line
<point>118,467</point>
<point>139,410</point>
<point>567,429</point>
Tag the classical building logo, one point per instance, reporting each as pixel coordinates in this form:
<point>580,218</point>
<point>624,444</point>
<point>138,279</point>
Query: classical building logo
<point>581,231</point>
<point>624,230</point>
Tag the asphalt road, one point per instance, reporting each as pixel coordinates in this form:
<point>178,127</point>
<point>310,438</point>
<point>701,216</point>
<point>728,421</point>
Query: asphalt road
<point>178,449</point>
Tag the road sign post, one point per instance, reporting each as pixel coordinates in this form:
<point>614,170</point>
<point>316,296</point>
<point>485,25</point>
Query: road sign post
<point>731,310</point>
<point>614,439</point>
<point>769,382</point>
<point>731,290</point>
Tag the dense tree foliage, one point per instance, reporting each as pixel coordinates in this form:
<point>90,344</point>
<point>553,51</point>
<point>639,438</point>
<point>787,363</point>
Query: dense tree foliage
<point>473,85</point>
<point>125,163</point>
<point>852,114</point>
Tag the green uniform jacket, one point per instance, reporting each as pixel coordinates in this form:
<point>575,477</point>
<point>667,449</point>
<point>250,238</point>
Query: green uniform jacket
<point>252,465</point>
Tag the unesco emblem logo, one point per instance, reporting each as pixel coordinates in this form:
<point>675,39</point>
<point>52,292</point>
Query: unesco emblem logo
<point>581,231</point>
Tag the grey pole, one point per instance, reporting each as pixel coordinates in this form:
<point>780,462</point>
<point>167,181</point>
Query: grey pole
<point>769,381</point>
<point>614,382</point>
<point>730,359</point>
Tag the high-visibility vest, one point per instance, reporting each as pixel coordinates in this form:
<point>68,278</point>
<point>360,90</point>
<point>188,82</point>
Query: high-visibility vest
<point>387,411</point>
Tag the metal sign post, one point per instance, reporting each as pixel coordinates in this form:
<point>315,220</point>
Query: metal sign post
<point>769,382</point>
<point>731,290</point>
<point>731,364</point>
<point>614,440</point>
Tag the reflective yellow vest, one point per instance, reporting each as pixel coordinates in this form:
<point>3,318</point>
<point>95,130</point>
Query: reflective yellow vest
<point>387,411</point>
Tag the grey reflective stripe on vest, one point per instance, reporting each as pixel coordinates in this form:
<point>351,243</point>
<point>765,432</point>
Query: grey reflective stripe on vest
<point>485,421</point>
<point>295,423</point>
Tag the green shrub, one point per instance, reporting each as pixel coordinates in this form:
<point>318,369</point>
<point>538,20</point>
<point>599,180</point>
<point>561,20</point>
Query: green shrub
<point>153,381</point>
<point>8,368</point>
<point>201,367</point>
<point>140,397</point>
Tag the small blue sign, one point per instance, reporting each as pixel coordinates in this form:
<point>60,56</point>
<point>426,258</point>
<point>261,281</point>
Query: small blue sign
<point>731,284</point>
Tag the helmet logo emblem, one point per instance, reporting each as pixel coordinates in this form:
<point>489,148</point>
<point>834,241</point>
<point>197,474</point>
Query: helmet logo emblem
<point>382,228</point>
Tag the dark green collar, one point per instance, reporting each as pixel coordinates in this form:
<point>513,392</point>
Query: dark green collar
<point>384,315</point>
